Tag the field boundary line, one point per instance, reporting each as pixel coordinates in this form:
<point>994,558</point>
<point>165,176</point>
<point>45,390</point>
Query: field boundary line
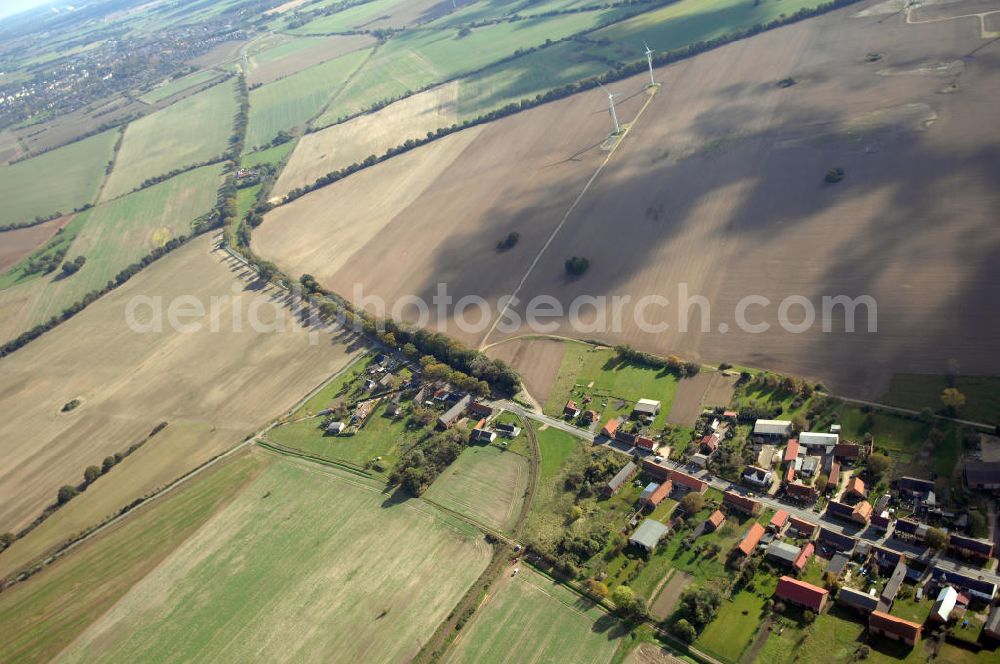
<point>565,218</point>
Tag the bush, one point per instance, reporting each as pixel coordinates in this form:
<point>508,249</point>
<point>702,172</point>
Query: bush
<point>834,175</point>
<point>66,493</point>
<point>684,631</point>
<point>508,242</point>
<point>577,265</point>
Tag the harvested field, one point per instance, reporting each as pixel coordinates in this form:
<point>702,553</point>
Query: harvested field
<point>292,101</point>
<point>294,55</point>
<point>42,616</point>
<point>343,144</point>
<point>61,130</point>
<point>18,243</point>
<point>377,14</point>
<point>127,379</point>
<point>266,576</point>
<point>647,653</point>
<point>705,390</point>
<point>666,601</point>
<point>190,131</point>
<point>694,206</point>
<point>110,236</point>
<point>486,484</point>
<point>537,361</point>
<point>177,85</point>
<point>531,618</point>
<point>57,181</point>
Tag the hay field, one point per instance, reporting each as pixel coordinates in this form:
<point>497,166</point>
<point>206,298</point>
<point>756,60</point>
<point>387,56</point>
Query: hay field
<point>350,142</point>
<point>305,565</point>
<point>234,379</point>
<point>293,100</point>
<point>485,483</point>
<point>56,181</point>
<point>531,618</point>
<point>42,616</point>
<point>111,236</point>
<point>720,186</point>
<point>293,55</point>
<point>192,130</point>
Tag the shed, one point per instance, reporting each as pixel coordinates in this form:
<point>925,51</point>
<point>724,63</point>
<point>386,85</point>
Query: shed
<point>648,535</point>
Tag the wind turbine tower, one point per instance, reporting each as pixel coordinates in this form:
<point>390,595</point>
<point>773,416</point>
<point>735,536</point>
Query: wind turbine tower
<point>649,61</point>
<point>611,106</point>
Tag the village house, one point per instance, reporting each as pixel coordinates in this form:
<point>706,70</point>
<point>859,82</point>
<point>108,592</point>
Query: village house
<point>855,488</point>
<point>910,531</point>
<point>944,605</point>
<point>619,480</point>
<point>982,590</point>
<point>772,430</point>
<point>508,430</point>
<point>688,482</point>
<point>590,416</point>
<point>857,600</point>
<point>836,541</point>
<point>970,548</point>
<point>739,503</point>
<point>891,627</point>
<point>751,538</point>
<point>624,437</point>
<point>782,553</point>
<point>833,476</point>
<point>571,409</point>
<point>611,427</point>
<point>801,492</point>
<point>801,594</point>
<point>481,435</point>
<point>803,528</point>
<point>659,494</point>
<point>645,443</point>
<point>715,520</point>
<point>710,443</point>
<point>757,477</point>
<point>778,522</point>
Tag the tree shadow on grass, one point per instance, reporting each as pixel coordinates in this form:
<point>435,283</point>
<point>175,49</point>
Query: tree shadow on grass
<point>395,496</point>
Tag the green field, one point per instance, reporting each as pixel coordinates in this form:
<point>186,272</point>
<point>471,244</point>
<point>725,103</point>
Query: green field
<point>350,18</point>
<point>486,484</point>
<point>615,386</point>
<point>245,198</point>
<point>293,100</point>
<point>531,618</point>
<point>734,627</point>
<point>42,616</point>
<point>305,564</point>
<point>555,446</point>
<point>55,181</point>
<point>273,155</point>
<point>919,391</point>
<point>193,130</point>
<point>161,92</point>
<point>111,236</point>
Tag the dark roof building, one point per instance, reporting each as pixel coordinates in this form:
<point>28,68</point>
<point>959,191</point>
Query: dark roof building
<point>837,565</point>
<point>648,534</point>
<point>836,541</point>
<point>456,411</point>
<point>992,626</point>
<point>982,590</point>
<point>915,486</point>
<point>619,480</point>
<point>801,593</point>
<point>786,554</point>
<point>891,588</point>
<point>857,600</point>
<point>971,548</point>
<point>847,451</point>
<point>802,527</point>
<point>801,492</point>
<point>982,475</point>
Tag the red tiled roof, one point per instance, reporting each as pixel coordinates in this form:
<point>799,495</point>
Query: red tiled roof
<point>790,475</point>
<point>847,450</point>
<point>791,450</point>
<point>803,526</point>
<point>655,470</point>
<point>741,502</point>
<point>856,486</point>
<point>751,539</point>
<point>610,428</point>
<point>862,511</point>
<point>717,518</point>
<point>894,625</point>
<point>660,493</point>
<point>688,481</point>
<point>834,477</point>
<point>779,519</point>
<point>644,442</point>
<point>711,441</point>
<point>801,593</point>
<point>800,490</point>
<point>804,556</point>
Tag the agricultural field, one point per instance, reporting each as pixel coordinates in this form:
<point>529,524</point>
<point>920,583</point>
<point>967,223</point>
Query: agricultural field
<point>110,236</point>
<point>486,484</point>
<point>170,88</point>
<point>37,621</point>
<point>701,154</point>
<point>268,63</point>
<point>528,617</point>
<point>375,15</point>
<point>919,391</point>
<point>537,361</point>
<point>291,101</point>
<point>705,390</point>
<point>57,181</point>
<point>125,377</point>
<point>18,243</point>
<point>273,155</point>
<point>191,131</point>
<point>233,593</point>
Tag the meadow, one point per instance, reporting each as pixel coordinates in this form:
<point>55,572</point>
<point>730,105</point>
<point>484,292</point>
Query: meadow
<point>56,181</point>
<point>190,131</point>
<point>291,101</point>
<point>288,56</point>
<point>531,618</point>
<point>42,616</point>
<point>919,391</point>
<point>486,484</point>
<point>370,15</point>
<point>370,580</point>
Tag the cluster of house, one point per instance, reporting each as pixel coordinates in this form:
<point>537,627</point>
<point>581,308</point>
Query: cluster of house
<point>616,429</point>
<point>378,380</point>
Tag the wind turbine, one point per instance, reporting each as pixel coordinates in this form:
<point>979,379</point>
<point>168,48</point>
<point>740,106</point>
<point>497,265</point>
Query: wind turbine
<point>649,60</point>
<point>611,105</point>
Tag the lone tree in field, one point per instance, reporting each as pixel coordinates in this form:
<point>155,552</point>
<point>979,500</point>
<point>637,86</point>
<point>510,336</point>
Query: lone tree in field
<point>834,175</point>
<point>508,242</point>
<point>952,400</point>
<point>577,265</point>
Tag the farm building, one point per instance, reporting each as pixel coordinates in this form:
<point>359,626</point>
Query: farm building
<point>716,519</point>
<point>981,590</point>
<point>791,451</point>
<point>757,477</point>
<point>646,408</point>
<point>772,429</point>
<point>915,487</point>
<point>335,428</point>
<point>619,480</point>
<point>944,605</point>
<point>892,586</point>
<point>625,437</point>
<point>482,436</point>
<point>881,520</point>
<point>783,553</point>
<point>839,510</point>
<point>659,494</point>
<point>837,565</point>
<point>571,409</point>
<point>700,459</point>
<point>590,416</point>
<point>833,478</point>
<point>983,476</point>
<point>857,600</point>
<point>778,521</point>
<point>992,626</point>
<point>970,548</point>
<point>891,627</point>
<point>508,430</point>
<point>750,539</point>
<point>648,535</point>
<point>804,555</point>
<point>855,488</point>
<point>710,443</point>
<point>611,427</point>
<point>452,415</point>
<point>480,409</point>
<point>836,541</point>
<point>818,442</point>
<point>848,452</point>
<point>739,503</point>
<point>801,594</point>
<point>802,527</point>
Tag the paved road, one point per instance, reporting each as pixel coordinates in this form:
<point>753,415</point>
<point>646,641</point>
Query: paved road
<point>837,526</point>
